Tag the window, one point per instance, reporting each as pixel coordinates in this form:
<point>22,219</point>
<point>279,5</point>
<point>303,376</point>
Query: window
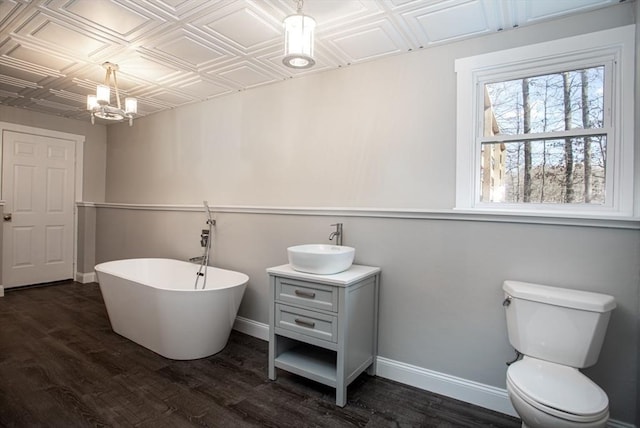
<point>548,127</point>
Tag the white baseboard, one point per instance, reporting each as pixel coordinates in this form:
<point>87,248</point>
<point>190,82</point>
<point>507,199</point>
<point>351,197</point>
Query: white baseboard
<point>476,393</point>
<point>85,278</point>
<point>1,291</point>
<point>612,423</point>
<point>465,390</point>
<point>252,328</point>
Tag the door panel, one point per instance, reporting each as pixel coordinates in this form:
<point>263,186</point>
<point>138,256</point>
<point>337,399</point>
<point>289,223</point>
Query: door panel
<point>54,244</point>
<point>22,248</point>
<point>38,178</point>
<point>23,178</point>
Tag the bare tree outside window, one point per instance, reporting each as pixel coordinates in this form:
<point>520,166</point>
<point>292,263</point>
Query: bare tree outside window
<point>552,148</point>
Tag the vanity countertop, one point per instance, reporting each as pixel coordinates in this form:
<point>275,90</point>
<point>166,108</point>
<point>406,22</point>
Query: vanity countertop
<point>346,278</point>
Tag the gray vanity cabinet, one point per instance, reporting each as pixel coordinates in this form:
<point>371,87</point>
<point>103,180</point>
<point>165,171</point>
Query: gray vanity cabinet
<point>324,327</point>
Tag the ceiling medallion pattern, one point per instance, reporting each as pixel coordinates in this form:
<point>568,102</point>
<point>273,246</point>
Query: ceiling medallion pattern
<point>173,53</point>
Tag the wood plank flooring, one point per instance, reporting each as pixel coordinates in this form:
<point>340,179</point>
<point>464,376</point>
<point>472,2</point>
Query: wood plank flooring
<point>61,365</point>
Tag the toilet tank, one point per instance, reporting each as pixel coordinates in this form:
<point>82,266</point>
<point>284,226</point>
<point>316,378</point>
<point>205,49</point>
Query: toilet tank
<point>555,324</point>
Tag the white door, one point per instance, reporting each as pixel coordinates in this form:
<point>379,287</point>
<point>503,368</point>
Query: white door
<point>38,178</point>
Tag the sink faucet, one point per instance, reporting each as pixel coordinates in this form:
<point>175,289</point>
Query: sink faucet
<point>337,234</point>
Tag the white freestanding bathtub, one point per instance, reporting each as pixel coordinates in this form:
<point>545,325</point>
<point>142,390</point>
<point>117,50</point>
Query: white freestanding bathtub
<point>153,303</point>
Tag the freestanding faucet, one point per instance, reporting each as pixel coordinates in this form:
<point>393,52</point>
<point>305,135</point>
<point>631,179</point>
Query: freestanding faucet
<point>205,242</point>
<point>337,234</point>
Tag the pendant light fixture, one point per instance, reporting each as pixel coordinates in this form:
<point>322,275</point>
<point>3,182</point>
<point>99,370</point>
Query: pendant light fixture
<point>100,104</point>
<point>298,39</point>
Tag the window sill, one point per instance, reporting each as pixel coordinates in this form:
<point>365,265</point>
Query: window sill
<point>564,218</point>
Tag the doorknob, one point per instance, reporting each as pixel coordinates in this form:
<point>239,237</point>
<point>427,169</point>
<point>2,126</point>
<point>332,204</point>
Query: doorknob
<point>7,217</point>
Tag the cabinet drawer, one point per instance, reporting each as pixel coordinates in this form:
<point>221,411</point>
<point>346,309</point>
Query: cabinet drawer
<point>307,294</point>
<point>306,322</point>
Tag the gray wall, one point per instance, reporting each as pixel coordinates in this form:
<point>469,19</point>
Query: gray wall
<point>86,239</point>
<point>637,131</point>
<point>379,134</point>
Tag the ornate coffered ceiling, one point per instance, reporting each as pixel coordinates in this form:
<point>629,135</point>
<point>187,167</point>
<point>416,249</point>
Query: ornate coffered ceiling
<point>175,52</point>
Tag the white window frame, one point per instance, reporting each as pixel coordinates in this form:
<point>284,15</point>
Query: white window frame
<point>613,48</point>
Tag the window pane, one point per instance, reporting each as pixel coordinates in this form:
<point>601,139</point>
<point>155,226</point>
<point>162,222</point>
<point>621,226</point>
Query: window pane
<point>547,103</point>
<point>555,171</point>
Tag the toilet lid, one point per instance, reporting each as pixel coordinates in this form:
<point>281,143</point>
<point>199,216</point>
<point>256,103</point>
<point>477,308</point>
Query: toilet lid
<point>558,387</point>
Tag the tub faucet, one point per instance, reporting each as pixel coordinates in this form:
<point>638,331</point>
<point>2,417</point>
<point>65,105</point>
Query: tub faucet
<point>204,238</point>
<point>337,234</point>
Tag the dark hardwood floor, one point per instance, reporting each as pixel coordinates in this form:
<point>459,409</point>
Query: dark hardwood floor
<point>62,366</point>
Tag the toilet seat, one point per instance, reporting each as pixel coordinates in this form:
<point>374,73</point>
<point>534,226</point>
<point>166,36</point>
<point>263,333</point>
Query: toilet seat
<point>557,390</point>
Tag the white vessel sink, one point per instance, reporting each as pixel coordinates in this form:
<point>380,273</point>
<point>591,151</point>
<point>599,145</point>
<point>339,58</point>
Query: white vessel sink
<point>321,259</point>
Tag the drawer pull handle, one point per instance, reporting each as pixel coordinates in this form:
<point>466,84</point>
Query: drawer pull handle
<point>305,323</point>
<point>309,294</point>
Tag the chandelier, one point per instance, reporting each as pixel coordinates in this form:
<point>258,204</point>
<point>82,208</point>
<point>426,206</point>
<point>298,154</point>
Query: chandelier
<point>100,104</point>
<point>298,39</point>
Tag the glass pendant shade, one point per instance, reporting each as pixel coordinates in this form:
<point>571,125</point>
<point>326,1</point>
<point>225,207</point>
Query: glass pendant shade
<point>130,105</point>
<point>103,94</point>
<point>92,102</point>
<point>298,41</point>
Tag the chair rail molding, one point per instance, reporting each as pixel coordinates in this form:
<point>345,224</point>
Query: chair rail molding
<point>391,213</point>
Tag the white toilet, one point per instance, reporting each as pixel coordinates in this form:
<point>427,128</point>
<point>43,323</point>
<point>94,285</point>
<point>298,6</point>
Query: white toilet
<point>558,331</point>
